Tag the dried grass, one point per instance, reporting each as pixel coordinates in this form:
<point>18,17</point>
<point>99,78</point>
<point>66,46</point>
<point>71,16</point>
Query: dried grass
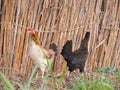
<point>57,21</point>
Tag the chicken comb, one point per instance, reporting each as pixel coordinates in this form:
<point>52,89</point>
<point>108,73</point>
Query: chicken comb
<point>31,31</point>
<point>87,30</point>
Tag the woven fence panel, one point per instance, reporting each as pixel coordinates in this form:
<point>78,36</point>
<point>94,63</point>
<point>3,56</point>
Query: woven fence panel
<point>58,21</point>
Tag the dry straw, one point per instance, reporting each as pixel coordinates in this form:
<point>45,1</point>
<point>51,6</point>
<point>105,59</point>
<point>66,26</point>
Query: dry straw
<point>58,21</point>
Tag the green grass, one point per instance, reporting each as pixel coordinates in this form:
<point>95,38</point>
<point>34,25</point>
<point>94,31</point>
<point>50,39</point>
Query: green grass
<point>99,81</point>
<point>31,79</point>
<point>7,84</point>
<point>81,84</point>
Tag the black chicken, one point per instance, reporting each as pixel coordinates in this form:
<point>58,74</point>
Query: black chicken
<point>77,58</point>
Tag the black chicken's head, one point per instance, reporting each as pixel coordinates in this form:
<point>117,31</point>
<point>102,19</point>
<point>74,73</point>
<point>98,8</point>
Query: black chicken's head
<point>87,35</point>
<point>84,42</point>
<point>53,47</point>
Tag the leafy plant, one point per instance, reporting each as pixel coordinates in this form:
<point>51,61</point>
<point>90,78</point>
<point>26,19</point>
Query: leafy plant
<point>108,69</point>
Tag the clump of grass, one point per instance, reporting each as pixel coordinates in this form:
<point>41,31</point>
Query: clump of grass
<point>31,79</point>
<point>95,83</point>
<point>7,84</point>
<point>53,84</point>
<point>116,80</point>
<point>100,85</point>
<point>45,82</point>
<point>43,86</point>
<point>118,75</point>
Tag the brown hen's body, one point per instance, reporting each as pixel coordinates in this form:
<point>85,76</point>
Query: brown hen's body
<point>38,54</point>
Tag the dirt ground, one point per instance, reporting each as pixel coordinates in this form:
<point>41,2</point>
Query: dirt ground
<point>21,79</point>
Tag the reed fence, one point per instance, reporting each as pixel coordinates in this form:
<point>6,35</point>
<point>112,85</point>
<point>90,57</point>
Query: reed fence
<point>58,21</point>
